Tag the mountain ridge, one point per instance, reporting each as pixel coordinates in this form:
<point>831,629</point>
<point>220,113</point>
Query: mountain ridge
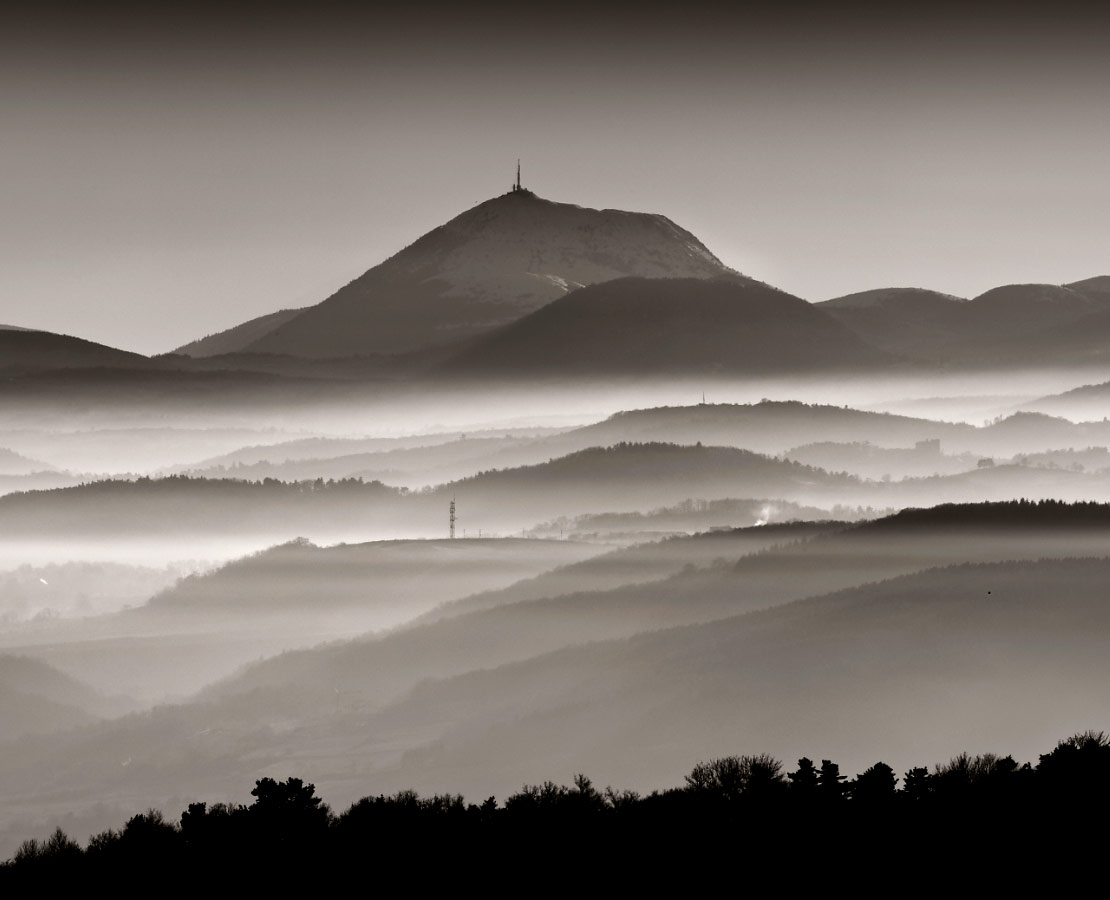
<point>637,326</point>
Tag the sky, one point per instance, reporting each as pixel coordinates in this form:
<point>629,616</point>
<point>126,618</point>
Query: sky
<point>168,173</point>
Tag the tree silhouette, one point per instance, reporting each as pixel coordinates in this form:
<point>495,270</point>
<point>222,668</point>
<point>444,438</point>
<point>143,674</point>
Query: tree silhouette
<point>829,781</point>
<point>875,785</point>
<point>288,813</point>
<point>57,853</point>
<point>917,783</point>
<point>1078,765</point>
<point>731,777</point>
<point>803,782</point>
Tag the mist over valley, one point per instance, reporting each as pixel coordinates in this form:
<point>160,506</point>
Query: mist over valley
<point>552,489</point>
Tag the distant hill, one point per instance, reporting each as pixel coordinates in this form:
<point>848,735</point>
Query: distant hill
<point>92,393</point>
<point>627,463</point>
<point>981,656</point>
<point>1088,403</point>
<point>490,265</point>
<point>649,561</point>
<point>687,517</point>
<point>911,322</point>
<point>269,511</point>
<point>37,481</point>
<point>318,448</point>
<point>629,476</point>
<point>1100,284</point>
<point>866,460</point>
<point>387,581</point>
<point>24,351</point>
<point>234,339</point>
<point>1016,323</point>
<point>642,588</point>
<point>1000,482</point>
<point>12,463</point>
<point>36,698</point>
<point>411,467</point>
<point>602,679</point>
<point>767,427</point>
<point>638,326</point>
<point>771,426</point>
<point>74,590</point>
<point>907,300</point>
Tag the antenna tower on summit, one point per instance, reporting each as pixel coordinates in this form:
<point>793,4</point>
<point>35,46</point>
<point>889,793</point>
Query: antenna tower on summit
<point>516,187</point>
<point>452,518</point>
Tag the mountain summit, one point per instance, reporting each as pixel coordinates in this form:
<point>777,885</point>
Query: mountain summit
<point>488,267</point>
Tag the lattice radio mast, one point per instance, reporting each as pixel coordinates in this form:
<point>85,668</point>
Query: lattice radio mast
<point>452,518</point>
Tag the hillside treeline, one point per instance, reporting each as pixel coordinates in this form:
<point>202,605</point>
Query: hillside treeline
<point>986,818</point>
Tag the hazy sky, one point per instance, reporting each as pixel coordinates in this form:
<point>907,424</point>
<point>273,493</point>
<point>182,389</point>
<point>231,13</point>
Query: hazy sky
<point>167,174</point>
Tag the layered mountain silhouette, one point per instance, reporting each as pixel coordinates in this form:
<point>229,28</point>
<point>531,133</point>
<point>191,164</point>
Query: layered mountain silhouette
<point>653,326</point>
<point>469,688</point>
<point>24,351</point>
<point>487,267</point>
<point>1013,323</point>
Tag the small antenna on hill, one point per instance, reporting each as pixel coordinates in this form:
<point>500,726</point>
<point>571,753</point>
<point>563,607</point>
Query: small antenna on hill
<point>516,187</point>
<point>452,518</point>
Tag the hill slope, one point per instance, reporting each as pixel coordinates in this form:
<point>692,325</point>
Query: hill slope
<point>23,351</point>
<point>648,326</point>
<point>233,339</point>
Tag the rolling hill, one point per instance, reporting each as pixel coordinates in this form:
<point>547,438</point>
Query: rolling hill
<point>1011,324</point>
<point>599,683</point>
<point>640,326</point>
<point>23,351</point>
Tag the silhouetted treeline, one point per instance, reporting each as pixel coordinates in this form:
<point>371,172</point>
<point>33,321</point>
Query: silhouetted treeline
<point>999,514</point>
<point>986,820</point>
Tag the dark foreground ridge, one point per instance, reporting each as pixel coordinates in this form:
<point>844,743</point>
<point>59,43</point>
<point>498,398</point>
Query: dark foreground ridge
<point>985,819</point>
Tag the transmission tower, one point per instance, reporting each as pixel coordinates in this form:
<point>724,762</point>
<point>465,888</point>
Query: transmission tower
<point>452,519</point>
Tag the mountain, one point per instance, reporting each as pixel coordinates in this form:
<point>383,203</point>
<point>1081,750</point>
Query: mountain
<point>1044,323</point>
<point>233,339</point>
<point>24,351</point>
<point>633,326</point>
<point>908,321</point>
<point>489,266</point>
